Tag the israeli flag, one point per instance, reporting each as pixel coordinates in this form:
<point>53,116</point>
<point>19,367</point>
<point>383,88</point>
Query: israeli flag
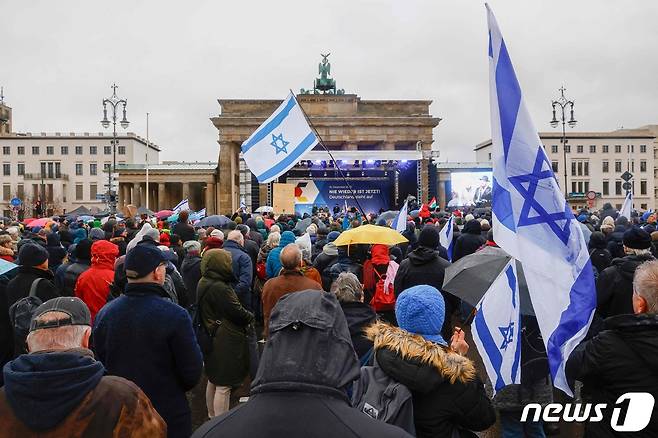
<point>201,213</point>
<point>496,329</point>
<point>280,142</point>
<point>183,205</point>
<point>627,207</point>
<point>400,221</point>
<point>531,219</point>
<point>446,237</point>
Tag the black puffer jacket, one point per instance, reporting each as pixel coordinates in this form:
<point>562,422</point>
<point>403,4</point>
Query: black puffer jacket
<point>616,241</point>
<point>424,266</point>
<point>344,263</point>
<point>622,358</point>
<point>469,241</point>
<point>191,271</point>
<point>70,276</point>
<point>302,395</point>
<point>359,316</point>
<point>445,389</point>
<point>614,287</point>
<point>598,253</point>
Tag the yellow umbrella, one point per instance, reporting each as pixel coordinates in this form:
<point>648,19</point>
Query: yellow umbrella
<point>370,234</point>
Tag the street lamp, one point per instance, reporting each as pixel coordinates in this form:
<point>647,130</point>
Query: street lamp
<point>114,102</point>
<point>562,103</point>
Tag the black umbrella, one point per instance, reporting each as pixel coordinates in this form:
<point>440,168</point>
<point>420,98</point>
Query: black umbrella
<point>470,277</point>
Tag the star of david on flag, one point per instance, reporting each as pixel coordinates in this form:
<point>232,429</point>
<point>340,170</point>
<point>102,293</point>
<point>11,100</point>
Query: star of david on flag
<point>495,329</point>
<point>532,220</point>
<point>280,142</point>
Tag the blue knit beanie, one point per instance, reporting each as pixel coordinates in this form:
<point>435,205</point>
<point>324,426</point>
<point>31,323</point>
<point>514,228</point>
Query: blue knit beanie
<point>421,310</point>
<point>332,236</point>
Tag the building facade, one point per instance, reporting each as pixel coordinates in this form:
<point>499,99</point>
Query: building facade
<point>65,170</point>
<point>595,161</point>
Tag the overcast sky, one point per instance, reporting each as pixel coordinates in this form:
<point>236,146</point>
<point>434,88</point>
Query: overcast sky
<point>175,59</point>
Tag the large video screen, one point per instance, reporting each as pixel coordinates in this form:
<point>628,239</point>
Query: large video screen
<point>470,189</point>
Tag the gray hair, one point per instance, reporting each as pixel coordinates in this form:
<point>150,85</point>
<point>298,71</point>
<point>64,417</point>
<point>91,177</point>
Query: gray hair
<point>347,288</point>
<point>236,236</point>
<point>645,284</point>
<point>273,239</point>
<point>57,338</point>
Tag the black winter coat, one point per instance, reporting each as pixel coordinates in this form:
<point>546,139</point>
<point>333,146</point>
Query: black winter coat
<point>469,240</point>
<point>616,242</point>
<point>359,316</point>
<point>622,358</point>
<point>428,370</point>
<point>19,286</point>
<point>425,266</point>
<point>190,270</point>
<point>184,230</point>
<point>70,277</point>
<point>614,287</point>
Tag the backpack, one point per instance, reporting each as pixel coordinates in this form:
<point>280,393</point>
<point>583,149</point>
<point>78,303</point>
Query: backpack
<point>380,397</point>
<point>20,315</point>
<point>384,297</point>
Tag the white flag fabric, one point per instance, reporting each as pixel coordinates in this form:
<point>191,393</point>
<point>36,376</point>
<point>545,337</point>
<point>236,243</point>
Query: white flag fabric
<point>400,221</point>
<point>496,329</point>
<point>201,213</point>
<point>280,142</point>
<point>531,219</point>
<point>183,205</point>
<point>446,237</point>
<point>627,207</point>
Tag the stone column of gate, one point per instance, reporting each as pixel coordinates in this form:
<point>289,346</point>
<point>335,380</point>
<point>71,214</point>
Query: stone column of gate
<point>209,194</point>
<point>137,199</point>
<point>228,177</point>
<point>162,197</point>
<point>186,190</point>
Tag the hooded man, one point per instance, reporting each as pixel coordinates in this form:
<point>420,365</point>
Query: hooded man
<point>294,397</point>
<point>68,273</point>
<point>469,240</point>
<point>93,285</point>
<point>59,389</point>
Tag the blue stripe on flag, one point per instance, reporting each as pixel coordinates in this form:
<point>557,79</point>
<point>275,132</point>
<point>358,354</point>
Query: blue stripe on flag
<point>271,126</point>
<point>291,158</point>
<point>490,46</point>
<point>517,353</point>
<point>502,205</point>
<point>490,347</point>
<point>511,280</point>
<point>574,318</point>
<point>509,96</point>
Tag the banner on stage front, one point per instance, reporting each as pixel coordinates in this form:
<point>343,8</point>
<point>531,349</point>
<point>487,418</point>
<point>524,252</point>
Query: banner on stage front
<point>373,194</point>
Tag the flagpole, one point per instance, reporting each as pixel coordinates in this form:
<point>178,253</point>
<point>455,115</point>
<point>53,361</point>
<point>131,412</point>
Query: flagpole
<point>340,171</point>
<point>147,161</point>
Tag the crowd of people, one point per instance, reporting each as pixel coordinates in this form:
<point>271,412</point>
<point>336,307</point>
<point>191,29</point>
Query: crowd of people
<point>107,324</point>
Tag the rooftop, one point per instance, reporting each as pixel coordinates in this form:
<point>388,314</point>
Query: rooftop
<point>171,166</point>
<point>75,135</point>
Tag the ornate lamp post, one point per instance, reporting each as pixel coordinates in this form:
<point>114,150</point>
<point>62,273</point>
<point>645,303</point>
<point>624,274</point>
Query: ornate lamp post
<point>563,104</point>
<point>114,102</point>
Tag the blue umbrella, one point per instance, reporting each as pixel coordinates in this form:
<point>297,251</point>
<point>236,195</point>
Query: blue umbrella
<point>216,220</point>
<point>646,215</point>
<point>85,218</point>
<point>173,218</point>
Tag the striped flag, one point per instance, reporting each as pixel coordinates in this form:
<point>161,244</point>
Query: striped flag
<point>531,219</point>
<point>446,237</point>
<point>400,221</point>
<point>182,205</point>
<point>627,207</point>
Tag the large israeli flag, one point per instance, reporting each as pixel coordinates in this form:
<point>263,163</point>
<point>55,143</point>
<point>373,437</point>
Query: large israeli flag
<point>531,219</point>
<point>182,205</point>
<point>496,329</point>
<point>627,207</point>
<point>279,143</point>
<point>446,237</point>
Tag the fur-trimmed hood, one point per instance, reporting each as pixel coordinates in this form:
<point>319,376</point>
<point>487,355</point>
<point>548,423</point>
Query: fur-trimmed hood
<point>414,361</point>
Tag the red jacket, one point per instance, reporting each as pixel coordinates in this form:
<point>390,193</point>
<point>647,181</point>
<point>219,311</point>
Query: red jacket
<point>93,285</point>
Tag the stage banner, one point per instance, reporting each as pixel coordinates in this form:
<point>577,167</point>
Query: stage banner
<point>373,194</point>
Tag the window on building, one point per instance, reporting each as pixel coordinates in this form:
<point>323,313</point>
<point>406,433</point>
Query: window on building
<point>643,148</point>
<point>632,148</point>
<point>93,189</point>
<point>617,149</point>
<point>643,165</point>
<point>78,192</point>
<point>618,188</point>
<point>93,150</point>
<point>580,187</point>
<point>6,150</point>
<point>573,168</point>
<point>107,150</point>
<point>6,169</point>
<point>106,167</point>
<point>586,186</point>
<point>554,166</point>
<point>20,169</point>
<point>567,148</point>
<point>643,206</point>
<point>20,150</point>
<point>35,191</point>
<point>592,149</point>
<point>20,192</point>
<point>78,150</point>
<point>49,193</point>
<point>617,166</point>
<point>35,150</point>
<point>606,188</point>
<point>122,150</point>
<point>605,148</point>
<point>6,192</point>
<point>63,192</point>
<point>554,149</point>
<point>574,187</point>
<point>618,206</point>
<point>579,149</point>
<point>58,170</point>
<point>586,168</point>
<point>605,166</point>
<point>580,168</point>
<point>632,165</point>
<point>44,169</point>
<point>64,150</point>
<point>643,187</point>
<point>50,150</point>
<point>78,169</point>
<point>93,169</point>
